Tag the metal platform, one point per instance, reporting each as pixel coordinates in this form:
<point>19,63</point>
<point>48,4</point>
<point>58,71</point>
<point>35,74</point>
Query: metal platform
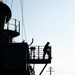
<point>11,33</point>
<point>39,61</point>
<point>12,28</point>
<point>36,55</point>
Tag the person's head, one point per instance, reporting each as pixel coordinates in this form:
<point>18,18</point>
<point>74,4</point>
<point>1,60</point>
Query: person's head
<point>48,43</point>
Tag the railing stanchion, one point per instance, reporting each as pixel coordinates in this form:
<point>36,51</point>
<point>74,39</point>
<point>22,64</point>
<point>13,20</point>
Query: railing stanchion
<point>19,26</point>
<point>7,26</point>
<point>38,52</point>
<point>15,24</point>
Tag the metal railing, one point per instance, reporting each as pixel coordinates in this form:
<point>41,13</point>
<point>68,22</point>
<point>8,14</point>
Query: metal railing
<point>36,52</point>
<point>13,25</point>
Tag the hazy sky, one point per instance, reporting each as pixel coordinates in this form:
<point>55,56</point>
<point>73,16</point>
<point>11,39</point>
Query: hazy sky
<point>53,21</point>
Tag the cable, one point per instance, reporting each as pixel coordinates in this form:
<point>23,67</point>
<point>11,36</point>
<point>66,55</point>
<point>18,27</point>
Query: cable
<point>5,1</point>
<point>23,26</point>
<point>11,4</point>
<point>1,0</point>
<point>22,17</point>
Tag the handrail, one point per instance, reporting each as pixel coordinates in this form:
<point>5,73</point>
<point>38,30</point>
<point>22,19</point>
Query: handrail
<point>36,52</point>
<point>13,25</point>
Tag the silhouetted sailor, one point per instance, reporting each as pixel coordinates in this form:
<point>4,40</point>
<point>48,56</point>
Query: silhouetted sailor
<point>46,50</point>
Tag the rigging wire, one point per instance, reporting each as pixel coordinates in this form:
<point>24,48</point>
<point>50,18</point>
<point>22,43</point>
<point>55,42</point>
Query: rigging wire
<point>1,0</point>
<point>5,1</point>
<point>23,25</point>
<point>11,4</point>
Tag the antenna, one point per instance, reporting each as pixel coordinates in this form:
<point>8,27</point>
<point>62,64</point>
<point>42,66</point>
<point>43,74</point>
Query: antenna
<point>51,70</point>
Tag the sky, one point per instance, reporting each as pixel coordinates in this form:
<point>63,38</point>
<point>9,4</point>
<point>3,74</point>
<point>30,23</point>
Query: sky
<point>53,21</point>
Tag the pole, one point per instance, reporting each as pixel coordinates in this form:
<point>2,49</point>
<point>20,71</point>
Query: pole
<point>50,70</point>
<point>38,52</point>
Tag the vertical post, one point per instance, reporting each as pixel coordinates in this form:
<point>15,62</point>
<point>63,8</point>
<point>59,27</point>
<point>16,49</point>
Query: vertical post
<point>38,52</point>
<point>50,70</point>
<point>7,26</point>
<point>26,60</point>
<point>15,24</point>
<point>33,53</point>
<point>34,67</point>
<point>50,53</point>
<point>19,26</point>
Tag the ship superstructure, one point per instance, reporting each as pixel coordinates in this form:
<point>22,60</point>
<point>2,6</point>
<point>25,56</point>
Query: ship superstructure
<point>15,58</point>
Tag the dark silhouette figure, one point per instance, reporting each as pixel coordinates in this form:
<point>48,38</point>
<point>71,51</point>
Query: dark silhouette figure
<point>46,50</point>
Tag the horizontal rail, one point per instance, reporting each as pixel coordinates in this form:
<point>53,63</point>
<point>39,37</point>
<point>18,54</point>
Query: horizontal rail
<point>13,24</point>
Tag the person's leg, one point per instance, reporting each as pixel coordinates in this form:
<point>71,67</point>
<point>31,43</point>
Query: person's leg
<point>48,53</point>
<point>44,53</point>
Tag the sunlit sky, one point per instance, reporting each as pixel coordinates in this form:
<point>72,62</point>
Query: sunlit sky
<point>53,21</point>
